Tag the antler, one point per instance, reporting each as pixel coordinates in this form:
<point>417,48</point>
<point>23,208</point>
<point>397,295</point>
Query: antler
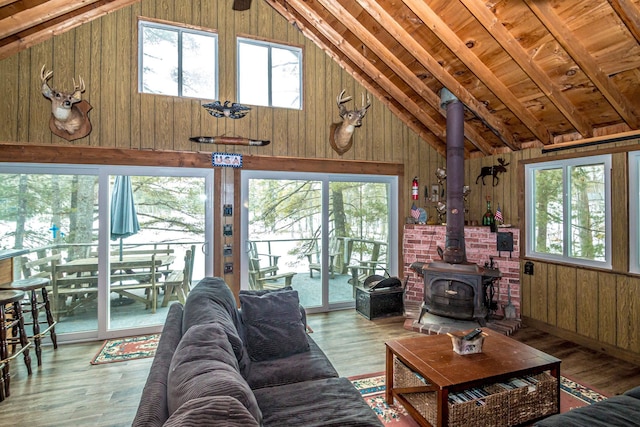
<point>364,108</point>
<point>44,76</point>
<point>340,101</point>
<point>78,87</point>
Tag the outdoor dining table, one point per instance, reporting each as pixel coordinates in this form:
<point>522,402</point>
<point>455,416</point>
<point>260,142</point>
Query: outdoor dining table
<point>79,278</point>
<point>90,264</point>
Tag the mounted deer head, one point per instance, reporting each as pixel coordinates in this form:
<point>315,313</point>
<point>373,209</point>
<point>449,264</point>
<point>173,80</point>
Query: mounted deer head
<point>69,118</point>
<point>341,134</point>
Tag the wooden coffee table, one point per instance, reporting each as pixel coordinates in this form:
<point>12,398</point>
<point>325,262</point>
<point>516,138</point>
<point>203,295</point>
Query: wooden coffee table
<point>444,371</point>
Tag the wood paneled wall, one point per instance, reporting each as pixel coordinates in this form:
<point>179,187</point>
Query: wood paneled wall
<point>596,308</point>
<point>104,52</point>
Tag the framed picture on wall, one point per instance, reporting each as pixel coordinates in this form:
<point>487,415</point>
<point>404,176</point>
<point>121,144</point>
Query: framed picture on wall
<point>435,193</point>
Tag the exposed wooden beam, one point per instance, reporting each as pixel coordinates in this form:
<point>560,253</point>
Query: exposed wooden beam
<point>582,57</point>
<point>629,14</point>
<point>624,136</point>
<point>402,70</point>
<point>4,3</point>
<point>453,42</point>
<point>38,14</point>
<point>410,120</point>
<point>357,58</point>
<point>509,43</point>
<point>439,73</point>
<point>17,42</point>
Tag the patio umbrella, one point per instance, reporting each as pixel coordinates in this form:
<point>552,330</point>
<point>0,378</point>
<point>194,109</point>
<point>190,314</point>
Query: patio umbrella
<point>124,219</point>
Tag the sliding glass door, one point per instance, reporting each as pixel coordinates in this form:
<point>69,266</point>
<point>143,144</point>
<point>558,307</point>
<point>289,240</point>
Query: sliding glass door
<point>114,241</point>
<point>321,234</point>
<point>157,244</point>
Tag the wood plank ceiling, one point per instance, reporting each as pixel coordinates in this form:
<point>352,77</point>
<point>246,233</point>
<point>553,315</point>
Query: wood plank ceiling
<point>529,72</point>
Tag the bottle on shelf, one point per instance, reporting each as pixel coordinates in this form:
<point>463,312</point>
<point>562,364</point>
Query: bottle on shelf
<point>488,219</point>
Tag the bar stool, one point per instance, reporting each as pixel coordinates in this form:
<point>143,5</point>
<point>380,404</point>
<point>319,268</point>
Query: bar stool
<point>12,299</point>
<point>31,286</point>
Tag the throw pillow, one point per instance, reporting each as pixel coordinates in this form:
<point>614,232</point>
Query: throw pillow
<point>274,326</point>
<point>203,365</point>
<point>261,292</point>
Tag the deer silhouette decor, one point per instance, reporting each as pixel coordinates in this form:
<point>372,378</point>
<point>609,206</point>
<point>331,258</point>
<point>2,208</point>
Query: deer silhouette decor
<point>493,171</point>
<point>69,119</point>
<point>341,134</point>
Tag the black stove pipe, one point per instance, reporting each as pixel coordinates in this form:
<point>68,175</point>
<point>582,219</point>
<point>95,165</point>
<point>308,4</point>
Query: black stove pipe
<point>455,252</point>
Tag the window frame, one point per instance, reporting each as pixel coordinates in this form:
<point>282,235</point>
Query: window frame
<point>565,165</point>
<point>180,30</point>
<point>269,46</point>
<point>103,172</point>
<point>634,211</point>
<point>325,178</point>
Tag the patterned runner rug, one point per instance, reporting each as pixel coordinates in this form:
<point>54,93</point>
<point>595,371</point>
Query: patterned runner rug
<point>123,349</point>
<point>371,386</point>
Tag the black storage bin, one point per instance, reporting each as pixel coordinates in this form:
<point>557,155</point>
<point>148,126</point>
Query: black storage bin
<point>380,302</point>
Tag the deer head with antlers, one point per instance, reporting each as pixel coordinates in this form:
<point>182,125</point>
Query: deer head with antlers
<point>341,134</point>
<point>69,118</point>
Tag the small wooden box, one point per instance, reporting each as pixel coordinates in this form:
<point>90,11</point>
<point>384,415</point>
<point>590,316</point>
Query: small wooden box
<point>462,346</point>
<point>380,303</point>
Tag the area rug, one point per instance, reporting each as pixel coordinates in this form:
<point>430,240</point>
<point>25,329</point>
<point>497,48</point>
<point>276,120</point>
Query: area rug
<point>124,349</point>
<point>372,388</point>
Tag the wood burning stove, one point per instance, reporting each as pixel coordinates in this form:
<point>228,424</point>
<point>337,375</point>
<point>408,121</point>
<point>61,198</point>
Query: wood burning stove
<point>453,287</point>
<point>459,291</point>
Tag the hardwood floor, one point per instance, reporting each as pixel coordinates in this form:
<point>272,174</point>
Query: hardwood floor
<point>68,390</point>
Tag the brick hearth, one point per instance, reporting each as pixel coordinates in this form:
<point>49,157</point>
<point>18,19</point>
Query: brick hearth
<point>421,242</point>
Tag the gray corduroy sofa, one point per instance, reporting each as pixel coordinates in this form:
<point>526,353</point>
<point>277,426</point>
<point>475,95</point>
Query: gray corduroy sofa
<point>257,366</point>
<point>622,411</point>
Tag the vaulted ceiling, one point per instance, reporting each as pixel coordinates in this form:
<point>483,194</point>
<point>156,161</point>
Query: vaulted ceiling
<point>529,72</point>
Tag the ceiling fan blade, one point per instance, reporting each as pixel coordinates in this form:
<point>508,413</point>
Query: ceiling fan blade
<point>241,4</point>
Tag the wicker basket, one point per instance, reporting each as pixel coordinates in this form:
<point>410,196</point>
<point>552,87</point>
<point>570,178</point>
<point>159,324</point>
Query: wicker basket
<point>500,408</point>
<point>529,403</point>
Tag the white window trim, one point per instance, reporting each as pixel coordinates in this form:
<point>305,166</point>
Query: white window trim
<point>102,172</point>
<point>530,169</point>
<point>325,179</point>
<point>634,211</point>
<point>269,45</point>
<point>150,24</point>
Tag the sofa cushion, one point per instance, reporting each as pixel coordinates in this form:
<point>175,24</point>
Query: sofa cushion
<point>204,364</point>
<point>328,402</point>
<point>211,301</point>
<point>212,410</point>
<point>634,392</point>
<point>615,411</point>
<point>273,324</point>
<point>308,365</point>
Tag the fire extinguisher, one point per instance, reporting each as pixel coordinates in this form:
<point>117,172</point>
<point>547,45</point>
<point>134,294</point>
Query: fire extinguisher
<point>414,189</point>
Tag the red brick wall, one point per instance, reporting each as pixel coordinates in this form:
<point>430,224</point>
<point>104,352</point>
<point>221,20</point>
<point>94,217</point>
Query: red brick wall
<point>421,243</point>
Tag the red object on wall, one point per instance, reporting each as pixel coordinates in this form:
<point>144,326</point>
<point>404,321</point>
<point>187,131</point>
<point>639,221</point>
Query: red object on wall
<point>414,189</point>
